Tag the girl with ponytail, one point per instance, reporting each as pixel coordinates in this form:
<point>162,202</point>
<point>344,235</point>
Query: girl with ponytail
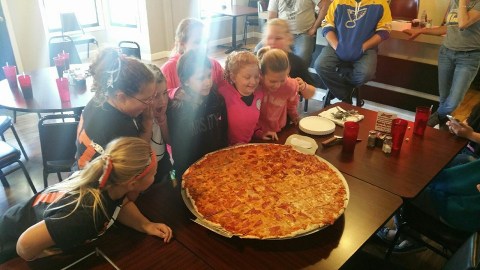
<point>83,207</point>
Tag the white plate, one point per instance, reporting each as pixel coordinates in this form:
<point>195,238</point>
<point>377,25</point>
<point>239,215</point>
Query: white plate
<point>316,125</point>
<point>303,144</point>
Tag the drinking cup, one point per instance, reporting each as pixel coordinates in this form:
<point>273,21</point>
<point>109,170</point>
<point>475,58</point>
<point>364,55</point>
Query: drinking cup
<point>62,85</point>
<point>26,85</point>
<point>421,118</point>
<point>350,134</point>
<point>11,75</point>
<point>399,127</point>
<point>60,65</point>
<point>66,59</point>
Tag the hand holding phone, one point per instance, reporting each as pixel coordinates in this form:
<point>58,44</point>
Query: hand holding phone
<point>453,120</point>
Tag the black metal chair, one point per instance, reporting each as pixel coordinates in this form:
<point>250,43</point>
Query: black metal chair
<point>59,44</point>
<point>252,20</point>
<point>5,124</point>
<point>8,156</point>
<point>130,48</point>
<point>58,143</point>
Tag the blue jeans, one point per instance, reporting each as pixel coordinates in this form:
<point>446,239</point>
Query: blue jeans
<point>340,84</point>
<point>303,46</point>
<point>456,71</point>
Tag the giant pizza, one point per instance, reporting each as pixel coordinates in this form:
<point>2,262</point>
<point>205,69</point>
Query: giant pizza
<point>264,191</point>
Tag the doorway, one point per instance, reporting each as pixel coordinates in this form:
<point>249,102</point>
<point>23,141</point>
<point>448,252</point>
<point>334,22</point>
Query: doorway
<point>6,51</point>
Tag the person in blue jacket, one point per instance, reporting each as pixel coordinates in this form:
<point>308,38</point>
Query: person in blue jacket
<point>353,30</point>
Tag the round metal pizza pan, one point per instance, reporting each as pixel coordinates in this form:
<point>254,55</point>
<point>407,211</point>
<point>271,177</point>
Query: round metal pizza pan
<point>199,219</point>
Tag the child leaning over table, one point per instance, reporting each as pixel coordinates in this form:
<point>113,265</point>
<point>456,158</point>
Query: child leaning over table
<point>196,116</point>
<point>83,207</point>
<point>280,94</point>
<point>243,100</point>
<point>160,137</point>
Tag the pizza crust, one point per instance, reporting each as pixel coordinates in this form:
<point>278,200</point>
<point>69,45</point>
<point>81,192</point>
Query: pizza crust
<point>264,191</point>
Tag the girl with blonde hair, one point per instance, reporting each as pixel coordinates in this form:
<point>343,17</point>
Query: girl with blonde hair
<point>243,100</point>
<point>189,35</point>
<point>276,34</point>
<point>84,206</point>
<point>280,94</point>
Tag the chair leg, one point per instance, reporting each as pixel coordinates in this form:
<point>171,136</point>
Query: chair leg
<point>305,105</point>
<point>356,93</point>
<point>27,176</point>
<point>14,117</point>
<point>19,142</point>
<point>4,181</point>
<point>245,32</point>
<point>45,178</point>
<point>59,177</point>
<point>395,239</point>
<point>327,98</point>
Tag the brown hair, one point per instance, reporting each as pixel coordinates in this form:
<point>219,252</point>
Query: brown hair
<point>184,31</point>
<point>157,73</point>
<point>274,60</point>
<point>113,72</point>
<point>191,62</point>
<point>235,61</point>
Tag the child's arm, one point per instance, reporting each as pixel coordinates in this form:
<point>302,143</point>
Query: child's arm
<point>133,218</point>
<point>305,89</point>
<point>292,104</point>
<point>34,241</point>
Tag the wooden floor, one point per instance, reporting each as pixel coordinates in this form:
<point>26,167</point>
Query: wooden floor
<point>27,128</point>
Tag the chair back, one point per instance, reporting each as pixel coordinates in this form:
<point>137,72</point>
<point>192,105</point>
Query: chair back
<point>467,257</point>
<point>70,23</point>
<point>58,141</point>
<point>58,44</point>
<point>404,9</point>
<point>130,48</point>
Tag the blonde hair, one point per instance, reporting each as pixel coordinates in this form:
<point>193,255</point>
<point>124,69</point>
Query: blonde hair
<point>129,156</point>
<point>274,60</point>
<point>184,31</point>
<point>235,61</point>
<point>113,72</point>
<point>280,23</point>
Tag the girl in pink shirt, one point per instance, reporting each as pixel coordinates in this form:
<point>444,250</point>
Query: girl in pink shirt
<point>280,93</point>
<point>189,35</point>
<point>242,75</point>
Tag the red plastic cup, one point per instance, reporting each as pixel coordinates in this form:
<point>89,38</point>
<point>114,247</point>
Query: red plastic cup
<point>62,85</point>
<point>66,58</point>
<point>399,127</point>
<point>26,85</point>
<point>421,118</point>
<point>350,134</point>
<point>60,65</point>
<point>11,75</point>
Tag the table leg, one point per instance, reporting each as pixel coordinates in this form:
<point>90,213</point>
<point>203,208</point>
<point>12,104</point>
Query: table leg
<point>234,36</point>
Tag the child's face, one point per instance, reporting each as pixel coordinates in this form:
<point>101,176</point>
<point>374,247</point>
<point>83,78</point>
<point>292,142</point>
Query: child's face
<point>276,38</point>
<point>161,100</point>
<point>273,80</point>
<point>195,41</point>
<point>200,82</point>
<point>246,79</point>
<point>134,105</point>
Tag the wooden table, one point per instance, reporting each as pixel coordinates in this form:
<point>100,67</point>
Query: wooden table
<point>195,247</point>
<point>46,98</point>
<point>405,173</point>
<point>235,11</point>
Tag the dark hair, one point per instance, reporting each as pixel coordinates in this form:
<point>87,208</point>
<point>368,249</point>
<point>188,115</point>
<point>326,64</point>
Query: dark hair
<point>190,62</point>
<point>157,73</point>
<point>113,71</point>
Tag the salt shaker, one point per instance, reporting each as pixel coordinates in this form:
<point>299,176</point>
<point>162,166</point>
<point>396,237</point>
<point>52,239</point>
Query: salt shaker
<point>372,136</point>
<point>387,144</point>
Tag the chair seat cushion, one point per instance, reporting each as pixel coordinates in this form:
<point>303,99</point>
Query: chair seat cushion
<point>8,154</point>
<point>5,123</point>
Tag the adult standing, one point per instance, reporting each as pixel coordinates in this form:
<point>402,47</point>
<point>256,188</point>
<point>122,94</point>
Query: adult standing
<point>459,55</point>
<point>353,30</point>
<point>303,22</point>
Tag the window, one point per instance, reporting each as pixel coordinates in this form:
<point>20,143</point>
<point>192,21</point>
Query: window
<point>85,11</point>
<point>123,13</point>
<point>206,7</point>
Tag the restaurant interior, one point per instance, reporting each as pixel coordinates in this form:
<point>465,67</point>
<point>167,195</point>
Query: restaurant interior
<point>379,184</point>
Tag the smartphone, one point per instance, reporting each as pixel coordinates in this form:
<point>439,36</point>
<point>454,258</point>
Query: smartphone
<point>453,120</point>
